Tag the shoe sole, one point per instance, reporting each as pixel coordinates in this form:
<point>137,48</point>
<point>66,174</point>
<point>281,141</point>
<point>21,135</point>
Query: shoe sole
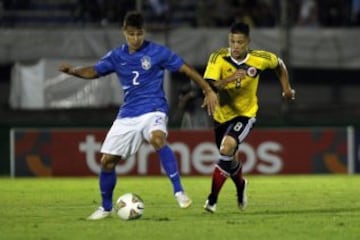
<point>105,215</point>
<point>99,218</point>
<point>187,205</point>
<point>207,208</point>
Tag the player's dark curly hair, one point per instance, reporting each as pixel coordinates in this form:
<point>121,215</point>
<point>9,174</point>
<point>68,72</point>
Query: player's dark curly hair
<point>133,19</point>
<point>240,27</point>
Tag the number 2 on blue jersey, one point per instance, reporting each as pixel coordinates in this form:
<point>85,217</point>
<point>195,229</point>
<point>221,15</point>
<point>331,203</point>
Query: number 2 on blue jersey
<point>135,78</point>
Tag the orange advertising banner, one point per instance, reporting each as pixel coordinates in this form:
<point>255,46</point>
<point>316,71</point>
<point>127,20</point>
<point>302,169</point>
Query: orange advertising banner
<point>76,152</point>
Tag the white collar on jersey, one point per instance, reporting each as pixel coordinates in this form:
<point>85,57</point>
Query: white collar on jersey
<point>239,62</point>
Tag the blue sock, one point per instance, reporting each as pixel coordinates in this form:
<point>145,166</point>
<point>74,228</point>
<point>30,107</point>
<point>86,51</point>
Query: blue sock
<point>168,162</point>
<point>107,185</point>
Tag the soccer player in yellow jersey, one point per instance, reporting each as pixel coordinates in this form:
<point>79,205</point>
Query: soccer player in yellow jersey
<point>234,73</point>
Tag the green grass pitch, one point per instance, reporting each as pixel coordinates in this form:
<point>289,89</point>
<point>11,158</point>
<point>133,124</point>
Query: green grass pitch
<point>279,207</point>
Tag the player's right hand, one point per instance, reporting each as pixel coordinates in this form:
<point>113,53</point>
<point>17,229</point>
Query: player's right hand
<point>239,74</point>
<point>289,94</point>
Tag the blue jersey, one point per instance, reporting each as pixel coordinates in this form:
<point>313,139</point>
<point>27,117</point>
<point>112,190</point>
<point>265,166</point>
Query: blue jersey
<point>141,75</point>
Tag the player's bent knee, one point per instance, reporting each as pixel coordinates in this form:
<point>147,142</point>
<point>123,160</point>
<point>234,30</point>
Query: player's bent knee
<point>108,162</point>
<point>227,150</point>
<point>157,143</point>
<point>158,140</point>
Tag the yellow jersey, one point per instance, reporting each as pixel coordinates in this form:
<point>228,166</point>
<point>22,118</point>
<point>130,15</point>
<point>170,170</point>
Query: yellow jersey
<point>238,98</point>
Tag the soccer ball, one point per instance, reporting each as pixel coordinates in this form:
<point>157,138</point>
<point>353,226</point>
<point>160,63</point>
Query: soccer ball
<point>129,206</point>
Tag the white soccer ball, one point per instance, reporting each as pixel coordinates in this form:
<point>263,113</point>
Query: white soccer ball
<point>129,206</point>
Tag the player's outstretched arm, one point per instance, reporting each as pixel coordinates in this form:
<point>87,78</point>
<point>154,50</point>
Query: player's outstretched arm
<point>81,72</point>
<point>210,100</point>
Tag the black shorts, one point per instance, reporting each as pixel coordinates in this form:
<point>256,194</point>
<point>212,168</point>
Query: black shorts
<point>239,128</point>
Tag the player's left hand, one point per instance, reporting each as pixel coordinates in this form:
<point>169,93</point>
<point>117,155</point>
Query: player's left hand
<point>289,94</point>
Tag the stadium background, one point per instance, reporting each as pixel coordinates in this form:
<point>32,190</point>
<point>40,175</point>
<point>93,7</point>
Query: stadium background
<point>327,88</point>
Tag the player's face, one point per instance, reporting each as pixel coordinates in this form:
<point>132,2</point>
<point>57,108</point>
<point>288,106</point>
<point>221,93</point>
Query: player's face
<point>134,37</point>
<point>239,44</point>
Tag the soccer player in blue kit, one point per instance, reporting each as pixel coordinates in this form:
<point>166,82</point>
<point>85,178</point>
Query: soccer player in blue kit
<point>139,65</point>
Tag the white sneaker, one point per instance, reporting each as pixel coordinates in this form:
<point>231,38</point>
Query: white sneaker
<point>209,208</point>
<point>99,213</point>
<point>183,200</point>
